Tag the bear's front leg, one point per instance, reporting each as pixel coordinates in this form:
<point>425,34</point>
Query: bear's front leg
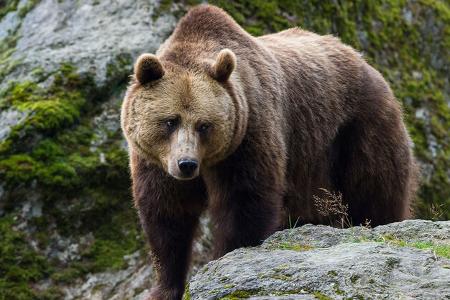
<point>245,200</point>
<point>169,212</point>
<point>170,242</point>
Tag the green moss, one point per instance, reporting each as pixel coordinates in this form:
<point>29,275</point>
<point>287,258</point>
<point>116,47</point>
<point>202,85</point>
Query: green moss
<point>18,168</point>
<point>8,44</point>
<point>67,275</point>
<point>120,68</point>
<point>337,289</point>
<point>332,273</point>
<point>294,246</point>
<point>7,48</point>
<point>51,151</point>
<point>240,294</point>
<point>244,294</point>
<point>320,296</point>
<point>29,5</point>
<point>281,277</point>
<point>354,278</point>
<point>7,6</point>
<point>187,293</point>
<point>20,265</point>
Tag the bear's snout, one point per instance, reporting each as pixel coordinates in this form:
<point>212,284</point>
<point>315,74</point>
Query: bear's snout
<point>188,167</point>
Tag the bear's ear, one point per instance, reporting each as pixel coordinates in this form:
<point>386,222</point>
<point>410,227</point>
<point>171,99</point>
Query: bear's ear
<point>224,65</point>
<point>148,68</point>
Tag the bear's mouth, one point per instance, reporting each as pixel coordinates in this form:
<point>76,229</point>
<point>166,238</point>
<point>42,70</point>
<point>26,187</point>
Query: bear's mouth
<point>183,177</point>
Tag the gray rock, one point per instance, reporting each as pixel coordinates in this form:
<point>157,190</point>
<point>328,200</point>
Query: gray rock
<point>130,283</point>
<point>133,282</point>
<point>9,24</point>
<point>87,34</point>
<point>320,261</point>
<point>8,119</point>
<point>107,122</point>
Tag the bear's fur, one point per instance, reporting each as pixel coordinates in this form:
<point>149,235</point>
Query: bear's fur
<point>268,122</point>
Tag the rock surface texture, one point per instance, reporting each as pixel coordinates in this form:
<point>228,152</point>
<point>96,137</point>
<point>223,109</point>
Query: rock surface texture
<point>397,261</point>
<point>88,34</point>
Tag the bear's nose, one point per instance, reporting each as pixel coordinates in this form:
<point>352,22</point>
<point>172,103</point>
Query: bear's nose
<point>187,166</point>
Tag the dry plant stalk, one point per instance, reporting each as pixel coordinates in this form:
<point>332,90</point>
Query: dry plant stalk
<point>436,211</point>
<point>332,206</point>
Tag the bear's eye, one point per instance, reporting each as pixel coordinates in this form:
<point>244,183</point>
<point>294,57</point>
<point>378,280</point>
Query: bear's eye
<point>171,124</point>
<point>203,127</point>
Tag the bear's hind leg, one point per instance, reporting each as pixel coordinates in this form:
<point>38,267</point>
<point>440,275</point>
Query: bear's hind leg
<point>372,166</point>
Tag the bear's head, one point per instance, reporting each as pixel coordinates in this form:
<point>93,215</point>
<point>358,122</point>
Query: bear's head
<point>182,120</point>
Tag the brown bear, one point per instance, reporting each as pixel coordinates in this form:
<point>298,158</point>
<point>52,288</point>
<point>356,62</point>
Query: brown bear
<point>253,128</point>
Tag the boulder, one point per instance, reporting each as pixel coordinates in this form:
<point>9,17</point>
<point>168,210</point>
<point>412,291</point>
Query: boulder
<point>406,260</point>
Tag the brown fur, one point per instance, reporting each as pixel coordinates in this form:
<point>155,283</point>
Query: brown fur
<point>286,114</point>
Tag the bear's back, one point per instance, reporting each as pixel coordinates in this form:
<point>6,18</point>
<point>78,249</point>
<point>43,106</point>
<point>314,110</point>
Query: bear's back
<point>319,68</point>
<point>310,50</point>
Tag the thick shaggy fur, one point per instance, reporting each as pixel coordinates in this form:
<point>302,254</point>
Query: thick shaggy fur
<point>293,112</point>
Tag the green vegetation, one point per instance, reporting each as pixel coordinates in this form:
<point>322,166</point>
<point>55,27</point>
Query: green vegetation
<point>20,265</point>
<point>6,6</point>
<point>8,44</point>
<point>187,292</point>
<point>293,246</point>
<point>244,294</point>
<point>442,250</point>
<point>321,296</point>
<point>240,294</point>
<point>7,47</point>
<point>83,190</point>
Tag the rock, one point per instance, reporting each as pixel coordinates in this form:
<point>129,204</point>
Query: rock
<point>87,34</point>
<point>313,262</point>
<point>107,122</point>
<point>130,283</point>
<point>9,24</point>
<point>8,119</point>
<point>133,282</point>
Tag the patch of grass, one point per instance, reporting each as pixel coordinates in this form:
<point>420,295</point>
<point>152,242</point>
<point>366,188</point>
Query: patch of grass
<point>439,249</point>
<point>294,246</point>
